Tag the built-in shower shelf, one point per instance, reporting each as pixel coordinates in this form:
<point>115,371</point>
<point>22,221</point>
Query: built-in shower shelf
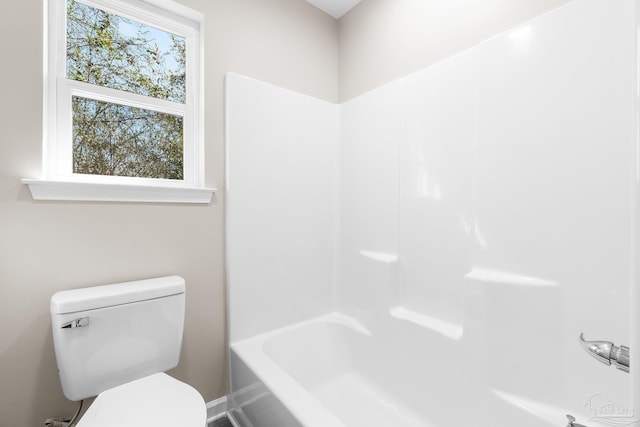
<point>448,329</point>
<point>503,277</point>
<point>380,256</point>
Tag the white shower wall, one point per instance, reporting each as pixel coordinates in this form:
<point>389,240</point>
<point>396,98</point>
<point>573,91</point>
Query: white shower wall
<point>488,199</point>
<point>281,215</point>
<point>368,238</point>
<point>516,162</point>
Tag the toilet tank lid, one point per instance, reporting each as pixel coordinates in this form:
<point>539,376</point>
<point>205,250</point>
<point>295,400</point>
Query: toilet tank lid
<point>116,294</point>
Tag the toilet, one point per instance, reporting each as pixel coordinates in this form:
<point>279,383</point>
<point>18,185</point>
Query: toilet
<point>115,342</point>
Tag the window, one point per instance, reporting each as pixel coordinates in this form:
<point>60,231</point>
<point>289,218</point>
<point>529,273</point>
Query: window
<point>123,89</point>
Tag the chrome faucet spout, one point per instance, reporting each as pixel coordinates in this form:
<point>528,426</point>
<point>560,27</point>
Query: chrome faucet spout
<point>600,350</point>
<point>606,352</point>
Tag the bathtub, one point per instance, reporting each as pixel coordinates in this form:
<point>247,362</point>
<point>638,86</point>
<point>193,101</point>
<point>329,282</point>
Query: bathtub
<point>332,371</point>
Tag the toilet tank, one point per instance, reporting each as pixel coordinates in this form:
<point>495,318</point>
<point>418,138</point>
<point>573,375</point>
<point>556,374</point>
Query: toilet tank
<point>105,336</point>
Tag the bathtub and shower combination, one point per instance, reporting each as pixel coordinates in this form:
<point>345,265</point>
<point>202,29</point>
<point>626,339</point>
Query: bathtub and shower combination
<point>428,254</point>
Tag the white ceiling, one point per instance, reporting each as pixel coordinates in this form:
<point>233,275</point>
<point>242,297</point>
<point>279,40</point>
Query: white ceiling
<point>335,8</point>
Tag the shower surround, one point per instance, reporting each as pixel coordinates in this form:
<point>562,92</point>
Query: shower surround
<point>427,254</point>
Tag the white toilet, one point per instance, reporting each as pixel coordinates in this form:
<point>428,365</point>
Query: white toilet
<point>116,341</point>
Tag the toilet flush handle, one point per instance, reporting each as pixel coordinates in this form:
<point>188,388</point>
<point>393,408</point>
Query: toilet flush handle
<point>77,323</point>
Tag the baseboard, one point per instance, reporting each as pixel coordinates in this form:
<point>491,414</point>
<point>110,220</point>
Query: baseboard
<point>216,409</point>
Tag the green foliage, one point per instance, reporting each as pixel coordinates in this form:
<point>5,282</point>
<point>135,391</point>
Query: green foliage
<point>112,139</point>
<point>111,51</point>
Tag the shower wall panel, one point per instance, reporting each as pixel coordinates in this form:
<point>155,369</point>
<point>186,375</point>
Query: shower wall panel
<point>516,165</point>
<point>368,244</point>
<point>553,196</point>
<point>281,210</point>
<point>436,169</point>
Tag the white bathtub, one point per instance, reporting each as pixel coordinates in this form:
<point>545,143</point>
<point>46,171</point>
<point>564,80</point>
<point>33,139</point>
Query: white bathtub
<point>332,371</point>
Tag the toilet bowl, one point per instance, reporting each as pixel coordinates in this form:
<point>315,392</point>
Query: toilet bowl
<point>115,342</point>
<point>157,400</point>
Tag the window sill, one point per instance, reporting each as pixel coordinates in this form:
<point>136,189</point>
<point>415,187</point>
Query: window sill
<point>44,189</point>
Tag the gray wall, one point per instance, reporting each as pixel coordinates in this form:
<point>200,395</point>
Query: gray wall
<point>50,246</point>
<point>382,40</point>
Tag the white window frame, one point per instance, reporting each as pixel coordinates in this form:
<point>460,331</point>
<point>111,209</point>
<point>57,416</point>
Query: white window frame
<point>165,15</point>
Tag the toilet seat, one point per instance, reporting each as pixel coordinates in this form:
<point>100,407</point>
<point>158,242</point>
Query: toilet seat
<point>154,401</point>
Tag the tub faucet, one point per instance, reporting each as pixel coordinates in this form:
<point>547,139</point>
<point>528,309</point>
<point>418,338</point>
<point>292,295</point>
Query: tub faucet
<point>606,352</point>
<point>572,422</point>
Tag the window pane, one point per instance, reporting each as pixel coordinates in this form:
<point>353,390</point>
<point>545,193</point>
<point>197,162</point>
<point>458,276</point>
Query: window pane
<point>108,50</point>
<point>112,139</point>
